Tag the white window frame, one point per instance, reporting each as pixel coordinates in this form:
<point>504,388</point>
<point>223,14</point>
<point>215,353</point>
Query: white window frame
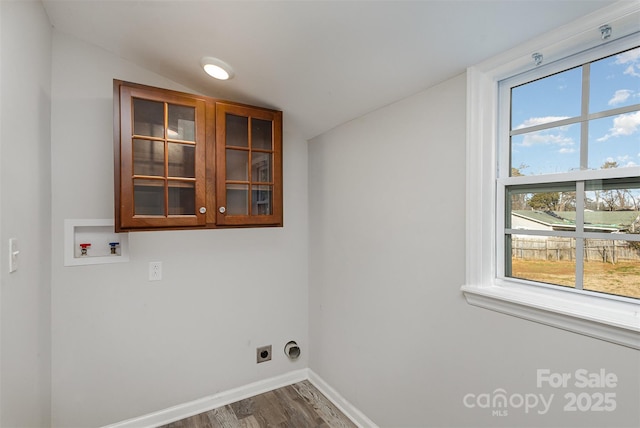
<point>613,320</point>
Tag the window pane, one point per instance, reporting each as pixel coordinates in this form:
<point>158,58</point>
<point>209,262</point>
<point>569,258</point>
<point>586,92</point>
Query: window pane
<point>261,167</point>
<point>148,196</point>
<point>182,198</point>
<point>546,100</point>
<point>237,130</point>
<point>261,197</point>
<point>612,266</point>
<point>548,259</point>
<point>148,157</point>
<point>182,160</point>
<point>614,142</point>
<point>613,205</point>
<point>182,123</point>
<point>548,151</point>
<point>237,199</point>
<point>237,164</point>
<point>148,118</point>
<point>261,134</point>
<point>541,208</point>
<point>615,81</point>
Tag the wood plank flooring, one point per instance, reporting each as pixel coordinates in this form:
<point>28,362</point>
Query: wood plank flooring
<point>300,405</point>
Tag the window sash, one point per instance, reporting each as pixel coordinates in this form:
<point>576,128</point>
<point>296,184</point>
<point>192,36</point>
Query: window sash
<point>577,60</point>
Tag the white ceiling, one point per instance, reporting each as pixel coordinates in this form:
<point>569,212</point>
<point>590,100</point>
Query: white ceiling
<point>322,62</point>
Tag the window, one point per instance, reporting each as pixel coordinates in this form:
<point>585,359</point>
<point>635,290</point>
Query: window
<point>570,145</point>
<point>553,155</point>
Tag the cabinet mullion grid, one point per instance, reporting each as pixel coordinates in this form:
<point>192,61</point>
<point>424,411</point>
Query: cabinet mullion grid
<point>250,166</point>
<point>166,159</point>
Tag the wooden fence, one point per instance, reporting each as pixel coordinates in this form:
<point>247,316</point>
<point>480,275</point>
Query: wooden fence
<point>550,248</point>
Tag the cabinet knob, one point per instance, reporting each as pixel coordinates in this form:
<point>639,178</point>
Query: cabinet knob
<point>222,210</point>
<point>203,210</point>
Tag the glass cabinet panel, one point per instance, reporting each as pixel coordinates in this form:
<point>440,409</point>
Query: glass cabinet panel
<point>182,160</point>
<point>148,118</point>
<point>182,123</point>
<point>237,130</point>
<point>237,199</point>
<point>261,134</point>
<point>261,197</point>
<point>148,157</point>
<point>148,196</point>
<point>237,165</point>
<point>261,167</point>
<point>182,198</point>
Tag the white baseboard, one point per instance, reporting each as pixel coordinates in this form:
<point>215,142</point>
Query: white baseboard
<point>202,405</point>
<point>356,416</point>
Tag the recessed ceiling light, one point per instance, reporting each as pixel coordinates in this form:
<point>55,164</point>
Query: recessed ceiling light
<point>216,68</point>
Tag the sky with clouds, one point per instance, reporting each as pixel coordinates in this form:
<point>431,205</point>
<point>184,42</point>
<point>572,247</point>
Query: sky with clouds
<point>614,83</point>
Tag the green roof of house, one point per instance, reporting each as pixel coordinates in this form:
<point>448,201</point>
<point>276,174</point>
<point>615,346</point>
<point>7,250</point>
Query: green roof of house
<point>544,217</point>
<point>603,220</point>
<point>621,219</point>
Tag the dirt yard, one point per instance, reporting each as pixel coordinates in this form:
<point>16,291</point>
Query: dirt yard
<point>622,279</point>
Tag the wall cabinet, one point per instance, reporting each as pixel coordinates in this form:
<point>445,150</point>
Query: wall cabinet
<point>190,161</point>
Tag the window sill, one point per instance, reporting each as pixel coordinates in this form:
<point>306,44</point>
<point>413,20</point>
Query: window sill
<point>614,321</point>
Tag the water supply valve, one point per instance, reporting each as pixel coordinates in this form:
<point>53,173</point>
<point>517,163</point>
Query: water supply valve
<point>114,246</point>
<point>83,248</point>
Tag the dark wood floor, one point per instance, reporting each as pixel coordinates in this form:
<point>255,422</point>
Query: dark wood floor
<point>299,405</point>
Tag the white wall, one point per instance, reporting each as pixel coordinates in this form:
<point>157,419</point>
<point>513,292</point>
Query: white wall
<point>25,214</point>
<point>389,327</point>
<point>124,346</point>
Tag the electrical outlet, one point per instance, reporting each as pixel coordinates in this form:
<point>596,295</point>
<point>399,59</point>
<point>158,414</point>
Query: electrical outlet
<point>263,354</point>
<point>155,271</point>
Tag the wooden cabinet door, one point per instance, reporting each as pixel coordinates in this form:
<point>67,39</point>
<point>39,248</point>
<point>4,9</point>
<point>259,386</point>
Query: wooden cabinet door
<point>161,158</point>
<point>248,165</point>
